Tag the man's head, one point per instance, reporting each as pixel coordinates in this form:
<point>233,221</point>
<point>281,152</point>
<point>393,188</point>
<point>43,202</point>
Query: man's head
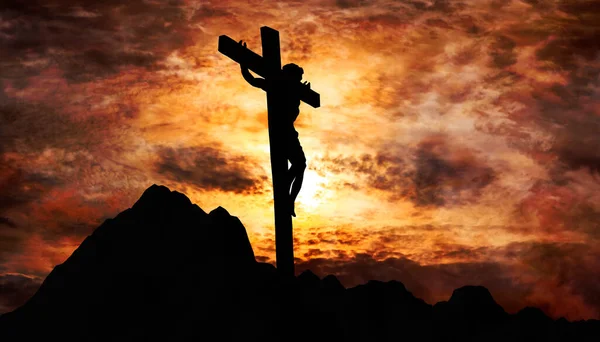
<point>292,72</point>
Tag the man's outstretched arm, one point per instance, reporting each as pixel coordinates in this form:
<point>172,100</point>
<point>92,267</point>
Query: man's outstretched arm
<point>254,81</point>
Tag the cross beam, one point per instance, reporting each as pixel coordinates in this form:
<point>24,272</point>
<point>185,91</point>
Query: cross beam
<point>257,64</point>
<point>269,67</point>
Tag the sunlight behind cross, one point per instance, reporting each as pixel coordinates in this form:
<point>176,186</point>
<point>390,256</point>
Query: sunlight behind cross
<point>314,191</point>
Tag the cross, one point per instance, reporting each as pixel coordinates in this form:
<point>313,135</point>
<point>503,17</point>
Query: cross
<point>269,66</point>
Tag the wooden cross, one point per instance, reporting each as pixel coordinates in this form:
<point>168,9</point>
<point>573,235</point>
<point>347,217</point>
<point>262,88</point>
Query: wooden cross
<point>269,67</point>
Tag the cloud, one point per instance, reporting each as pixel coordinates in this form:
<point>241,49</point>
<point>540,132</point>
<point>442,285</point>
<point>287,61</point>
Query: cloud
<point>442,177</point>
<point>7,222</point>
<point>312,252</point>
<point>15,290</point>
<point>352,3</point>
<point>46,116</point>
<point>578,38</point>
<point>564,268</point>
<point>434,173</point>
<point>563,207</point>
<point>502,52</point>
<point>90,40</point>
<point>209,168</point>
<point>39,196</point>
<point>555,58</point>
<point>18,187</point>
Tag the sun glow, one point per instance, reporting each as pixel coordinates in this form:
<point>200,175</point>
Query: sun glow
<point>314,191</point>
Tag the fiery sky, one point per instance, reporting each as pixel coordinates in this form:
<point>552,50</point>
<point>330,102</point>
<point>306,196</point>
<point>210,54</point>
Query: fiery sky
<point>457,142</point>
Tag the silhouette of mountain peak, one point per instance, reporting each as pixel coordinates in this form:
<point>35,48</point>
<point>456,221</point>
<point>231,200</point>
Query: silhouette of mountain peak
<point>332,283</point>
<point>532,314</point>
<point>472,303</point>
<point>162,246</point>
<point>472,295</point>
<point>308,279</point>
<point>160,196</point>
<point>156,190</point>
<point>219,212</point>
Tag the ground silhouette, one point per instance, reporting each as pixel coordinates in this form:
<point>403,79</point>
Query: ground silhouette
<point>166,270</point>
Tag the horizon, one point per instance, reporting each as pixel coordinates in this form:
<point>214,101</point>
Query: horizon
<point>456,143</point>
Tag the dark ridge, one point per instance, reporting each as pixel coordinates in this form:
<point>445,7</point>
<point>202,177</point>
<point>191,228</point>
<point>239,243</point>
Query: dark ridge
<point>332,284</point>
<point>166,270</point>
<point>475,303</point>
<point>309,280</point>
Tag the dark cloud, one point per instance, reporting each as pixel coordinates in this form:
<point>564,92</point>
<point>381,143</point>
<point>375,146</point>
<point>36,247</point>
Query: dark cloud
<point>573,41</point>
<point>583,8</point>
<point>335,237</point>
<point>15,290</point>
<point>209,168</point>
<point>39,164</point>
<point>89,40</point>
<point>420,5</point>
<point>558,208</point>
<point>502,52</point>
<point>44,150</point>
<point>574,125</point>
<point>454,252</point>
<point>438,178</point>
<point>445,6</point>
<point>261,258</point>
<point>44,126</point>
<point>7,222</point>
<point>439,23</point>
<point>586,218</point>
<point>565,39</point>
<point>313,252</point>
<point>541,5</point>
<point>299,49</point>
<point>32,126</point>
<point>576,138</point>
<point>210,12</point>
<point>582,217</point>
<point>570,266</point>
<point>566,110</point>
<point>352,3</point>
<point>432,174</point>
<point>19,187</point>
<point>580,151</point>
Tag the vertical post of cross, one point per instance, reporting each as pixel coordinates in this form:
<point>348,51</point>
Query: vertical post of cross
<point>284,239</point>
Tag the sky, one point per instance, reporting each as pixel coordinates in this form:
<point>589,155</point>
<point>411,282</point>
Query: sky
<point>456,143</point>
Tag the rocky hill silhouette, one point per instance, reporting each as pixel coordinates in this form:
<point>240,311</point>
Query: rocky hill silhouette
<point>166,270</point>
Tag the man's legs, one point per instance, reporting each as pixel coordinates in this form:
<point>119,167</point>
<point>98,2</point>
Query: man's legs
<point>296,175</point>
<point>296,172</point>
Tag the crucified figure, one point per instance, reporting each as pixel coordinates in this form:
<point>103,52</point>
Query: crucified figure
<point>285,89</point>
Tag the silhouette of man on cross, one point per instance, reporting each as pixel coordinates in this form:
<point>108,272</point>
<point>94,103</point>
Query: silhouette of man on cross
<point>285,89</point>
